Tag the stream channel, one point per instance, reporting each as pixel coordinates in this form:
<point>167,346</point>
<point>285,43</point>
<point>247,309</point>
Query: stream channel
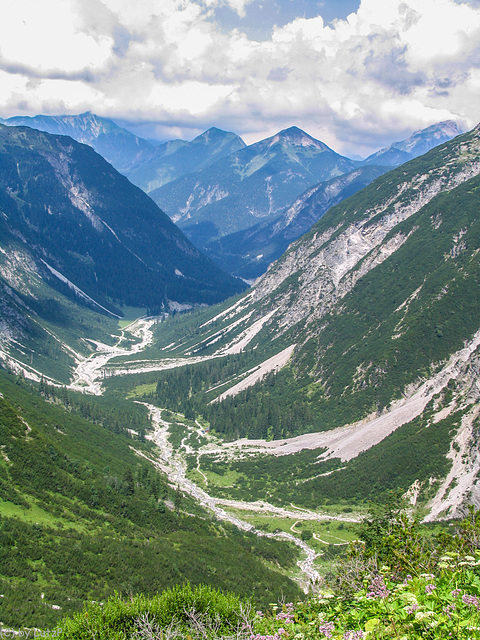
<point>87,378</point>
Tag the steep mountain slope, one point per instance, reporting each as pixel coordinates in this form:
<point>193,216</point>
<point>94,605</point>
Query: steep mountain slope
<point>147,165</point>
<point>42,330</point>
<point>88,230</point>
<point>371,323</point>
<point>176,158</point>
<point>117,145</point>
<point>417,144</point>
<point>85,512</point>
<point>248,253</point>
<point>257,182</point>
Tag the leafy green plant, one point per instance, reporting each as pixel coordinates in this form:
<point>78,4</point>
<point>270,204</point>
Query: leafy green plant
<point>201,609</point>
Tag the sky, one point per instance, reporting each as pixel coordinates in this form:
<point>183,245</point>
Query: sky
<point>356,74</point>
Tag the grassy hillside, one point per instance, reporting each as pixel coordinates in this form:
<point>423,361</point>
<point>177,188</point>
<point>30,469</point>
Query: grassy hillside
<point>81,515</point>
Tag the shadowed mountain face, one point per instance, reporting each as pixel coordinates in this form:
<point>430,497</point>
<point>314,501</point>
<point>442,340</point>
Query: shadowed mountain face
<point>85,226</point>
<point>176,158</point>
<point>248,253</point>
<point>254,184</point>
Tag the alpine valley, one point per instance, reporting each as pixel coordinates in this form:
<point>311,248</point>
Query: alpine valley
<point>236,203</point>
<point>161,423</point>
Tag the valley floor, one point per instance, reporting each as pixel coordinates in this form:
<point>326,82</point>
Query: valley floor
<point>181,461</point>
<point>172,462</point>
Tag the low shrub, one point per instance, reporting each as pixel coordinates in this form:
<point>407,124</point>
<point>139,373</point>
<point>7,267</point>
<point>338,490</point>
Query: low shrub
<point>178,612</point>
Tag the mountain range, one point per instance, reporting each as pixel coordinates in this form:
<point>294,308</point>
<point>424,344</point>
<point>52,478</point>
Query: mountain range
<point>253,184</point>
<point>227,197</point>
<point>240,210</point>
<point>370,320</point>
<point>348,371</point>
<point>146,164</point>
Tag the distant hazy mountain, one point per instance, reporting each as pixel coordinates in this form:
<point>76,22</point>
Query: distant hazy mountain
<point>175,158</point>
<point>86,229</point>
<point>416,145</point>
<point>253,184</point>
<point>117,145</point>
<point>248,253</point>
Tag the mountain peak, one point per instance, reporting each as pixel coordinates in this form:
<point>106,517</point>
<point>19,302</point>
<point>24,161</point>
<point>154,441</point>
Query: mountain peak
<point>447,126</point>
<point>417,144</point>
<point>214,134</point>
<point>297,137</point>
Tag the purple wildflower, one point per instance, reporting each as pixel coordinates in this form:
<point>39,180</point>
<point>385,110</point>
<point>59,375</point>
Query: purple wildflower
<point>353,635</point>
<point>412,609</point>
<point>285,615</point>
<point>471,600</point>
<point>448,610</point>
<point>456,592</point>
<point>326,628</point>
<point>430,588</point>
<point>377,588</point>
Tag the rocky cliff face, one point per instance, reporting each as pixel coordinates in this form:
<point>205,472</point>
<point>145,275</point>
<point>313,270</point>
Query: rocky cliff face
<point>379,304</point>
<point>323,266</point>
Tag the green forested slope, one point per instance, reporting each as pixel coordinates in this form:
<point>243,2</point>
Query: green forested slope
<point>76,214</point>
<point>394,317</point>
<point>81,515</point>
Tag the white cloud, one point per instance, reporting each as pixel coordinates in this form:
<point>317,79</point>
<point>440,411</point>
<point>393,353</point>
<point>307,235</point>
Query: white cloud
<point>49,41</point>
<point>235,5</point>
<point>390,68</point>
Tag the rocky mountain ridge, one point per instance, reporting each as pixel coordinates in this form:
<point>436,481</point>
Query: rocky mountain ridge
<point>378,306</point>
<point>254,183</point>
<point>175,158</point>
<point>118,146</point>
<point>417,144</point>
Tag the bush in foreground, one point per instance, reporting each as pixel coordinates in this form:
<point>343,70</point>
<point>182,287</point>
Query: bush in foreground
<point>180,612</point>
